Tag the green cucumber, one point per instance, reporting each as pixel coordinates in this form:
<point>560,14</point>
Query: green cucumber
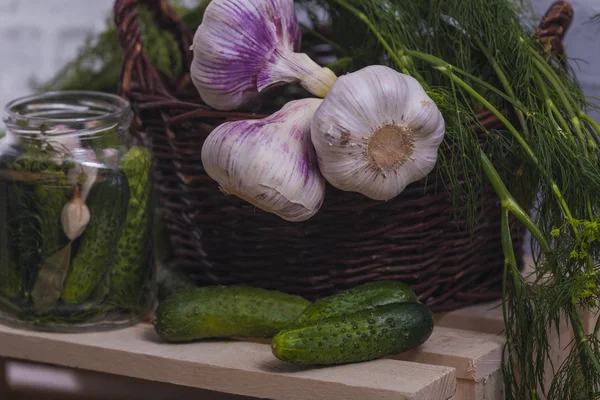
<point>130,267</point>
<point>362,336</point>
<point>226,311</point>
<point>107,202</point>
<point>56,248</point>
<point>365,296</point>
<point>26,236</point>
<point>171,281</point>
<point>10,275</point>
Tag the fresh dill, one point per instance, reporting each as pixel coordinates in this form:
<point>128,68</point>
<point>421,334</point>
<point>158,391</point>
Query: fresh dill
<point>544,161</point>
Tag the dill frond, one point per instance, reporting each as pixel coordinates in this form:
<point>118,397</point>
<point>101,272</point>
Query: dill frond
<point>480,55</point>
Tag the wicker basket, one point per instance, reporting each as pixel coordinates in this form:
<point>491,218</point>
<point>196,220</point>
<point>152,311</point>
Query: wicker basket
<point>352,240</point>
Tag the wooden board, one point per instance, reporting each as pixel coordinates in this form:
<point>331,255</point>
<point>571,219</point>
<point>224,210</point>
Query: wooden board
<point>488,318</point>
<point>229,367</point>
<point>475,356</point>
<point>3,378</point>
<point>489,388</point>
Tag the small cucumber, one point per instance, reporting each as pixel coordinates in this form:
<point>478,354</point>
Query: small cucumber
<point>226,311</point>
<point>362,336</point>
<point>362,297</point>
<point>10,275</point>
<point>108,204</point>
<point>132,261</point>
<point>171,281</point>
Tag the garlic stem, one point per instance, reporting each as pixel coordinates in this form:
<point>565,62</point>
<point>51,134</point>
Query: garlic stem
<point>243,47</point>
<point>296,67</point>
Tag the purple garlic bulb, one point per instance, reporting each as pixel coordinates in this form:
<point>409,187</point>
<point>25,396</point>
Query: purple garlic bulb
<point>269,163</point>
<point>245,46</point>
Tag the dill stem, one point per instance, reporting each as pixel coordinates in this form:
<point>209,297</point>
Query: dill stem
<point>323,38</point>
<point>554,110</point>
<point>509,253</point>
<point>505,84</point>
<point>8,304</point>
<point>524,145</point>
<point>360,15</point>
<point>572,116</point>
<point>587,353</point>
<point>554,113</point>
<point>595,126</point>
<point>509,203</point>
<point>566,98</point>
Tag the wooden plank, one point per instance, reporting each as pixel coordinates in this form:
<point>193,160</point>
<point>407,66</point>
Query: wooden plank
<point>489,388</point>
<point>485,318</point>
<point>227,366</point>
<point>4,387</point>
<point>474,355</point>
<point>28,381</point>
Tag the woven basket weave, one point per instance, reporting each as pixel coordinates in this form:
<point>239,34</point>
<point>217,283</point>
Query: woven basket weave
<point>223,240</point>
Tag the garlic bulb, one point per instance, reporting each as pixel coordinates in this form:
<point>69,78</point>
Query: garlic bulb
<point>75,217</point>
<point>269,163</point>
<point>376,132</point>
<point>245,46</point>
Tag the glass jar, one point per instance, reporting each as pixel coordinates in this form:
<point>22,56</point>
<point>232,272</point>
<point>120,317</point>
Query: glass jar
<point>75,214</point>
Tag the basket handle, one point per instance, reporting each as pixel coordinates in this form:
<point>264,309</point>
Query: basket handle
<point>135,61</point>
<point>550,32</point>
<point>554,26</point>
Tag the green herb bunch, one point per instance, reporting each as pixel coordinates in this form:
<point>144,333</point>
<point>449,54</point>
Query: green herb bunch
<point>97,66</point>
<point>479,56</point>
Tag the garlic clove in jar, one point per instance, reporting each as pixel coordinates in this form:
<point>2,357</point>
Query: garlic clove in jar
<point>269,163</point>
<point>85,171</point>
<point>376,132</point>
<point>75,216</point>
<point>244,46</point>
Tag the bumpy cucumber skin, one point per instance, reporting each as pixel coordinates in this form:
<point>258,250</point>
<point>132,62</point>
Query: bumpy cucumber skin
<point>50,275</point>
<point>10,275</point>
<point>107,203</point>
<point>226,311</point>
<point>362,297</point>
<point>172,282</point>
<point>10,278</point>
<point>362,336</point>
<point>129,270</point>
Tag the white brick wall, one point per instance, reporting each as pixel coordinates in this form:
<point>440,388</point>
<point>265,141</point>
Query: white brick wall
<point>38,36</point>
<point>582,43</point>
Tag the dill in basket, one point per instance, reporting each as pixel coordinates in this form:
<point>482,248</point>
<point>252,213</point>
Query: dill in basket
<point>479,55</point>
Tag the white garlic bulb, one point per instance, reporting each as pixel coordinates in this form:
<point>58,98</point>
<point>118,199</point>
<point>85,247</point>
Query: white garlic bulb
<point>376,132</point>
<point>269,163</point>
<point>245,46</point>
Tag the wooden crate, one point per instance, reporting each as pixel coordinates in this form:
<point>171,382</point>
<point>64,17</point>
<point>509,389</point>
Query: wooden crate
<point>461,361</point>
<point>235,367</point>
<point>452,364</point>
<point>487,318</point>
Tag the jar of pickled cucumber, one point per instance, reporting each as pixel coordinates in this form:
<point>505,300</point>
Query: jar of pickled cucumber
<point>75,214</point>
